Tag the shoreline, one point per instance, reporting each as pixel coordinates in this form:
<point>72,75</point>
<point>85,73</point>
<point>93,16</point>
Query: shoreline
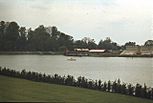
<point>30,53</point>
<point>62,53</point>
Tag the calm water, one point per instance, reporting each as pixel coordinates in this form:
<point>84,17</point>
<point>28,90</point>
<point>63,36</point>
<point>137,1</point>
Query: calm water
<point>129,70</point>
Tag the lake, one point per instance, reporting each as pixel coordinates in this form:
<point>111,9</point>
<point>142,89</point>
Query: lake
<point>128,69</point>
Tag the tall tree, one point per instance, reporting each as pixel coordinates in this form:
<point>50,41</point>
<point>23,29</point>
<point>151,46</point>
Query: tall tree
<point>11,36</point>
<point>39,39</point>
<point>2,28</point>
<point>22,40</point>
<point>65,42</point>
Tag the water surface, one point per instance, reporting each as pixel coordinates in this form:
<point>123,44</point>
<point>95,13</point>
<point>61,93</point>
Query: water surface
<point>129,70</point>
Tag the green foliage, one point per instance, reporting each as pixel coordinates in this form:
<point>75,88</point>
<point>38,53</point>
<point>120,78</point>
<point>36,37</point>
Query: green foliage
<point>149,43</point>
<point>38,39</point>
<point>20,90</point>
<point>82,82</point>
<point>108,44</point>
<point>130,44</point>
<point>16,38</point>
<point>22,40</point>
<point>11,35</point>
<point>85,43</point>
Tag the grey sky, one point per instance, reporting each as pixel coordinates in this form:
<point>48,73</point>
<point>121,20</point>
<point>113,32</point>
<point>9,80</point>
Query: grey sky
<point>122,20</point>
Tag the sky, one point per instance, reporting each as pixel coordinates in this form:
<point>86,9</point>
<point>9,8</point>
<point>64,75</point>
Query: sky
<point>121,20</point>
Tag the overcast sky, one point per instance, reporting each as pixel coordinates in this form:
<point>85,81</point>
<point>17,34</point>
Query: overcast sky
<point>122,20</point>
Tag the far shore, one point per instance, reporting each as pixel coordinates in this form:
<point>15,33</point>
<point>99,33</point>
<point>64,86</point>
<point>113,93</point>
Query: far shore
<point>62,53</point>
<point>30,53</point>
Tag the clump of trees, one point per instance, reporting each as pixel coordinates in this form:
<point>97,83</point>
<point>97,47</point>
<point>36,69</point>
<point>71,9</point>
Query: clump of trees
<point>89,43</point>
<point>86,42</point>
<point>82,82</point>
<point>108,44</point>
<point>16,38</point>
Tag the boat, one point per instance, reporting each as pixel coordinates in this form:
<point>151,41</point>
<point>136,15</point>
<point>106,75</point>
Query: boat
<point>71,59</point>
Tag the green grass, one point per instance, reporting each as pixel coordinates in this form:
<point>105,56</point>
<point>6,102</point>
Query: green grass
<point>13,89</point>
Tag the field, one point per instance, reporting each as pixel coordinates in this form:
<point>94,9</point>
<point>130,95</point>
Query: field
<point>13,89</point>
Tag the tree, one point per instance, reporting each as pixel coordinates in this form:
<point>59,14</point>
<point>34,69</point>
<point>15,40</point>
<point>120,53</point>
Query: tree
<point>12,31</point>
<point>148,43</point>
<point>144,91</point>
<point>54,31</point>
<point>99,84</point>
<point>92,45</point>
<point>86,42</point>
<point>109,86</point>
<point>65,42</point>
<point>69,80</point>
<point>79,44</point>
<point>114,87</point>
<point>108,44</point>
<point>39,39</point>
<point>130,44</point>
<point>22,40</point>
<point>2,28</point>
<point>130,89</point>
<point>138,90</point>
<point>118,88</point>
<point>123,88</point>
<point>104,86</point>
<point>11,36</point>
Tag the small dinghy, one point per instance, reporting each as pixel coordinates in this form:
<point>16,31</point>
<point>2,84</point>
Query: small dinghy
<point>71,59</point>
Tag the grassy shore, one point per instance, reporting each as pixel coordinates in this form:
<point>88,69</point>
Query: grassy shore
<point>13,89</point>
<point>30,53</point>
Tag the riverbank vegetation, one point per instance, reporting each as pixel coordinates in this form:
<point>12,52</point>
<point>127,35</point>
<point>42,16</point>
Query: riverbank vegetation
<point>111,86</point>
<point>16,38</point>
<point>20,90</point>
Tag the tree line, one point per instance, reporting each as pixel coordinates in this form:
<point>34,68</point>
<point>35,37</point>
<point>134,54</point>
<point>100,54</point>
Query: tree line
<point>82,82</point>
<point>16,38</point>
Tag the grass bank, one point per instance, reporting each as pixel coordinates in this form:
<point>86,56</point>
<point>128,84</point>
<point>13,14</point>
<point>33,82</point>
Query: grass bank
<point>13,89</point>
<point>30,53</point>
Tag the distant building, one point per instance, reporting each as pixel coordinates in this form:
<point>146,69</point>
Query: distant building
<point>97,51</point>
<point>138,50</point>
<point>81,49</point>
<point>85,52</point>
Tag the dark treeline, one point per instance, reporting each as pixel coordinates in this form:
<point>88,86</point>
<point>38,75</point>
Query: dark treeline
<point>82,82</point>
<point>16,38</point>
